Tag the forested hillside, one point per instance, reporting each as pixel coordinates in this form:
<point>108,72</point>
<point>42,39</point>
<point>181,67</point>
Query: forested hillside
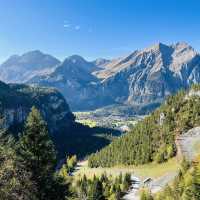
<point>68,136</point>
<point>27,167</point>
<point>29,170</point>
<point>153,139</point>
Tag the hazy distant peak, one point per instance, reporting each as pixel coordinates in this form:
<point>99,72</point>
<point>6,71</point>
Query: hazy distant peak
<point>19,69</point>
<point>76,58</point>
<point>11,59</point>
<point>33,52</point>
<point>101,62</point>
<point>37,54</point>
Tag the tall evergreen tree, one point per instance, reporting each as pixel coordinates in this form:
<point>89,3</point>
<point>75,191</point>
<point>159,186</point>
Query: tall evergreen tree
<point>96,190</point>
<point>37,154</point>
<point>15,181</point>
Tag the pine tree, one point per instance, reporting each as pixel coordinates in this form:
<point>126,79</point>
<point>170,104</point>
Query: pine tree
<point>37,154</point>
<point>14,179</point>
<point>96,190</point>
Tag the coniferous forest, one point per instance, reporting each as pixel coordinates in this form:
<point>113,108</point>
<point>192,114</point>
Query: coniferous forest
<point>153,139</point>
<point>29,170</point>
<point>27,167</point>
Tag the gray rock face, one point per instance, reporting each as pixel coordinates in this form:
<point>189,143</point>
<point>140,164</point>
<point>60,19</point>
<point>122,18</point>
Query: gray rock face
<point>17,100</point>
<point>148,76</point>
<point>19,69</point>
<point>72,78</point>
<point>142,78</point>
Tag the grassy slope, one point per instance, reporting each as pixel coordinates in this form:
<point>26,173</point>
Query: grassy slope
<point>152,170</point>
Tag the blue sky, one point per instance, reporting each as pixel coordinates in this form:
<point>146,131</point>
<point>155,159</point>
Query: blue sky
<point>95,28</point>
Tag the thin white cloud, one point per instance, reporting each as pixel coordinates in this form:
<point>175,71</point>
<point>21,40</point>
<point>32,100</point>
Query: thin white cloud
<point>66,25</point>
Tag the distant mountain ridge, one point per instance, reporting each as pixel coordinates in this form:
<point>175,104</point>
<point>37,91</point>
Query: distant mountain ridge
<point>141,79</point>
<point>19,69</point>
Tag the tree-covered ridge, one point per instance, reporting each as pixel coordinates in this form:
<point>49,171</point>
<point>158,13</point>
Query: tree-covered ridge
<point>68,136</point>
<point>153,139</point>
<point>18,100</point>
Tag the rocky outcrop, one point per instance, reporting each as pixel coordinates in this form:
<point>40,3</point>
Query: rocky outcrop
<point>188,144</point>
<point>150,75</point>
<point>17,100</point>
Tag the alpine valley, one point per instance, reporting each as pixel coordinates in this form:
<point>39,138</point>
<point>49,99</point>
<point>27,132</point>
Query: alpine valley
<point>95,162</point>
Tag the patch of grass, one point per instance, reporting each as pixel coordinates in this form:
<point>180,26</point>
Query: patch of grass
<point>152,170</point>
<point>196,146</point>
<point>88,122</point>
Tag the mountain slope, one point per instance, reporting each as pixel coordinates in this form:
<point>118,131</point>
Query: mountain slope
<point>73,79</point>
<point>19,69</point>
<point>150,75</point>
<point>154,138</point>
<point>142,79</point>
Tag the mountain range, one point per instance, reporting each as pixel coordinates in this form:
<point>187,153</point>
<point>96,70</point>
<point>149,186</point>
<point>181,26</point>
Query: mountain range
<point>138,81</point>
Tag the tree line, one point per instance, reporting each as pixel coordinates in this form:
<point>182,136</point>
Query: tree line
<point>152,139</point>
<point>101,188</point>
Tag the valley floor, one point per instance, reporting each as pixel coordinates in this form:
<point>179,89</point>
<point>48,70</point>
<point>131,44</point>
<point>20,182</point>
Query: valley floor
<point>116,121</point>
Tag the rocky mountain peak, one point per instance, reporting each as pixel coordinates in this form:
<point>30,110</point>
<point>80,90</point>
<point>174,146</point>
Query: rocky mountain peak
<point>33,53</point>
<point>182,45</point>
<point>156,47</point>
<point>101,62</point>
<point>76,59</point>
<point>20,69</point>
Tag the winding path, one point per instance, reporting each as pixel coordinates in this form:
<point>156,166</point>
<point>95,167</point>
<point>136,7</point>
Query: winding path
<point>188,145</point>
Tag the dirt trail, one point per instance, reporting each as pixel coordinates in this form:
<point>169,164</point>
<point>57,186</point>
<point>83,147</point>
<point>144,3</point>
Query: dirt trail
<point>188,145</point>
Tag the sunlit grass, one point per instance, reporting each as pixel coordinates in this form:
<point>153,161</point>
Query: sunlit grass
<point>196,146</point>
<point>152,170</point>
<point>88,122</point>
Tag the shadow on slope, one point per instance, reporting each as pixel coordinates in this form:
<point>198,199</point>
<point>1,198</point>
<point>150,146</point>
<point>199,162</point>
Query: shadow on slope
<point>83,140</point>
